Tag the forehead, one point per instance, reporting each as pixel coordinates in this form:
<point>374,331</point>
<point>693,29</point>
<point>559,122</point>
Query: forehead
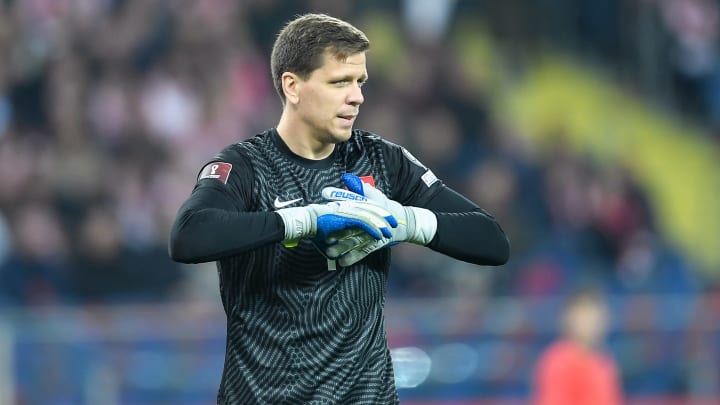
<point>352,64</point>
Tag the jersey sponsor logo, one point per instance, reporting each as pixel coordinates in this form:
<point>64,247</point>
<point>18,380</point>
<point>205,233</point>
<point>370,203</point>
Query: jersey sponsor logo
<point>216,170</point>
<point>346,195</point>
<point>280,204</point>
<point>429,178</point>
<point>413,158</point>
<point>368,180</point>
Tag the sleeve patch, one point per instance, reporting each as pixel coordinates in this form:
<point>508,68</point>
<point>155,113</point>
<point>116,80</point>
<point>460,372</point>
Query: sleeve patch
<point>216,170</point>
<point>429,178</point>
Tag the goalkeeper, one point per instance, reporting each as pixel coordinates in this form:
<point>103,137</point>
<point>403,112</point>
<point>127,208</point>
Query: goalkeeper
<point>274,213</point>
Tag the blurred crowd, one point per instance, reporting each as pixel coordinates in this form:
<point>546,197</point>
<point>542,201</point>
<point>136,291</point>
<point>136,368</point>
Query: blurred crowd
<point>665,50</point>
<point>108,108</point>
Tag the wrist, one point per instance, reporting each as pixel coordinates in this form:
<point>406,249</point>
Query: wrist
<point>422,225</point>
<point>298,223</point>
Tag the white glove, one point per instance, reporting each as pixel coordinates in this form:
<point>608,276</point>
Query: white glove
<point>415,225</point>
<point>321,220</point>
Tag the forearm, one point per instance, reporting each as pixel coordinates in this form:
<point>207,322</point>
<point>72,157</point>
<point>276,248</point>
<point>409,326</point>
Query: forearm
<point>207,234</point>
<point>473,237</point>
<point>466,232</point>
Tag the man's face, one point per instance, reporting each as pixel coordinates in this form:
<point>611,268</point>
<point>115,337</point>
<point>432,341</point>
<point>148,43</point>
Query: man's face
<point>329,100</point>
<point>587,321</point>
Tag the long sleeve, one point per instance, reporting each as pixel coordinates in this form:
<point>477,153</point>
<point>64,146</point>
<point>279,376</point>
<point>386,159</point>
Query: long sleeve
<point>466,232</point>
<point>218,219</point>
<point>207,228</point>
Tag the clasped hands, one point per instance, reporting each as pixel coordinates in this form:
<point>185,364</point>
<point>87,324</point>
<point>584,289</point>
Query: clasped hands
<point>356,222</point>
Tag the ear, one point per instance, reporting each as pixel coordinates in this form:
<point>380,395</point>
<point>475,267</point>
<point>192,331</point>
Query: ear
<point>291,84</point>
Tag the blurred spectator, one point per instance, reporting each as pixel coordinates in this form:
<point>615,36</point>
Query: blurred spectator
<point>574,369</point>
<point>106,270</point>
<point>37,271</point>
<point>694,26</point>
<point>4,239</point>
<point>428,20</point>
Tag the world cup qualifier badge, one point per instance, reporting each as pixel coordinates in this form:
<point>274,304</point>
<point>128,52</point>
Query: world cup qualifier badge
<point>216,170</point>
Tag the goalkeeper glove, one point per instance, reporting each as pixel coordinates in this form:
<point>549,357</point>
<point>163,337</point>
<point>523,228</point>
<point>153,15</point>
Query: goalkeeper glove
<point>321,220</point>
<point>415,225</point>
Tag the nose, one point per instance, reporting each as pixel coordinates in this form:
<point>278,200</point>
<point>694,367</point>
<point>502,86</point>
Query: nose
<point>355,97</point>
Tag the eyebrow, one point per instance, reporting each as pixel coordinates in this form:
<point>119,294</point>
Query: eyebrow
<point>362,78</point>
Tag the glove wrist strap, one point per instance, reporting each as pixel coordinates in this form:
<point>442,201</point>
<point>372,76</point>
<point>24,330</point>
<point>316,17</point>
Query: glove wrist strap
<point>422,225</point>
<point>298,223</point>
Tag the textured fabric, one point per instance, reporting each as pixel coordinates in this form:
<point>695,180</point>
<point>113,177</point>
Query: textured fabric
<point>298,333</point>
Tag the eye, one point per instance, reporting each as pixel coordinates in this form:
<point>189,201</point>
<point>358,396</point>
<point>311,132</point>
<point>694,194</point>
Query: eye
<point>341,82</point>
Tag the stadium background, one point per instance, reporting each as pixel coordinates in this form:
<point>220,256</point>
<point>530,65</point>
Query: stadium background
<point>588,128</point>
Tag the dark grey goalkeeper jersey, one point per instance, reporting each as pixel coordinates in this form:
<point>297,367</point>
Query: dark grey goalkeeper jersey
<point>297,332</point>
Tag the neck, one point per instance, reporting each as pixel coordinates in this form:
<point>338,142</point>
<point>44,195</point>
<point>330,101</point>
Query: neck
<point>587,343</point>
<point>300,139</point>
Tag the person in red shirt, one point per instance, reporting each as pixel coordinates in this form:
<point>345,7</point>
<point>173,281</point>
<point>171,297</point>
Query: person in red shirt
<point>574,370</point>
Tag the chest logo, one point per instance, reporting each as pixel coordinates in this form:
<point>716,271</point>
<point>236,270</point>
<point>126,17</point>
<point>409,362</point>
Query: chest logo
<point>279,204</point>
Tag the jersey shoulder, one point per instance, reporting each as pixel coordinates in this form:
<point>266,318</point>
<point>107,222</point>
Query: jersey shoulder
<point>234,159</point>
<point>366,138</point>
<point>243,153</point>
<point>248,147</point>
<point>365,142</point>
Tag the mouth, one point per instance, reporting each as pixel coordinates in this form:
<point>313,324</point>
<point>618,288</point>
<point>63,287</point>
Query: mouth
<point>347,118</point>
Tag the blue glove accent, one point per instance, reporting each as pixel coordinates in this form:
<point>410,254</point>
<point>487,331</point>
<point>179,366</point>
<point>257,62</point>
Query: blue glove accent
<point>338,194</point>
<point>331,223</point>
<point>353,183</point>
<point>416,225</point>
<point>392,221</point>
